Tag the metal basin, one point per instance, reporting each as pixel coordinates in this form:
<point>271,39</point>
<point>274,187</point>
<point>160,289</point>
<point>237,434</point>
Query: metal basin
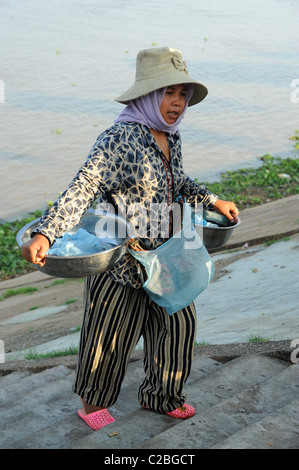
<point>215,238</point>
<point>85,265</point>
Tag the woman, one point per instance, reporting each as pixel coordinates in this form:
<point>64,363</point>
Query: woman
<point>135,163</point>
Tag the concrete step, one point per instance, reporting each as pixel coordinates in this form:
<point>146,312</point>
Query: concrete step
<point>47,417</point>
<point>39,411</point>
<point>11,394</point>
<point>215,423</point>
<point>34,405</point>
<point>145,429</point>
<point>12,378</point>
<point>278,430</point>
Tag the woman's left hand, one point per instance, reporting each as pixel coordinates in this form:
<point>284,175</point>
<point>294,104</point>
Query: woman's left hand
<point>227,208</point>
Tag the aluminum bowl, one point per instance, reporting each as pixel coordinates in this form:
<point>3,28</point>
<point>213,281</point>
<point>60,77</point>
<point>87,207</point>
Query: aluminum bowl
<point>215,238</point>
<point>85,265</point>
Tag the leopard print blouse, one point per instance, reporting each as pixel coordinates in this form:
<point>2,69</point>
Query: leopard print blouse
<point>126,168</point>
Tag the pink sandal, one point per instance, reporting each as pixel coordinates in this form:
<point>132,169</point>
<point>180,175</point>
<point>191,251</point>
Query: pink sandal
<point>98,419</point>
<point>184,412</point>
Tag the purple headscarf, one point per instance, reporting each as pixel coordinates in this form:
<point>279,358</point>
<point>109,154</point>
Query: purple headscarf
<point>146,110</point>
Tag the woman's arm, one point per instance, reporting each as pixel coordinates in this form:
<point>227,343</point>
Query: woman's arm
<point>200,194</point>
<point>89,183</point>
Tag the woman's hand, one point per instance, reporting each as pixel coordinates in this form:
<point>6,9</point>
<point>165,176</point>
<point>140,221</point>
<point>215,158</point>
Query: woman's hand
<point>35,249</point>
<point>228,209</point>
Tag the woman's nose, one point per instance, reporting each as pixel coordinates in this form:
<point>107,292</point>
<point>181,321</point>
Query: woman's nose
<point>178,100</point>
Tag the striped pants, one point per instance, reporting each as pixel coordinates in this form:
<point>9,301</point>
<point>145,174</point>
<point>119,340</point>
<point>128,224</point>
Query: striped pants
<point>115,318</point>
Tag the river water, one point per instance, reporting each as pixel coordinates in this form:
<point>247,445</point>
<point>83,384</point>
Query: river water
<point>64,62</point>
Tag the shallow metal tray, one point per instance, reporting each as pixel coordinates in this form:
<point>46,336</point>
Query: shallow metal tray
<point>85,265</point>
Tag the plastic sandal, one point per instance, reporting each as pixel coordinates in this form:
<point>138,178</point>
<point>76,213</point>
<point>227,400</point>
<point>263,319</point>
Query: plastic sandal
<point>184,412</point>
<point>98,419</point>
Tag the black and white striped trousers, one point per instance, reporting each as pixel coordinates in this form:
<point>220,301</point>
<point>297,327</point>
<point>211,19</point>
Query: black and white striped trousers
<point>115,318</point>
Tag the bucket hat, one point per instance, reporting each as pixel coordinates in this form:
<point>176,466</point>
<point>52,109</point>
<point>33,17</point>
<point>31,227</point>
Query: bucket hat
<point>158,68</point>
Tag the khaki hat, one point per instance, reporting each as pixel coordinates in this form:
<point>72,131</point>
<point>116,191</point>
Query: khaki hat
<point>158,68</point>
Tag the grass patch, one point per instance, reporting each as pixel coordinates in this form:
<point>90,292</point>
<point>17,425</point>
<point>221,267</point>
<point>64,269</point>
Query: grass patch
<point>19,291</point>
<point>57,282</point>
<point>70,301</point>
<point>71,351</point>
<point>271,242</point>
<point>256,338</point>
<point>201,343</point>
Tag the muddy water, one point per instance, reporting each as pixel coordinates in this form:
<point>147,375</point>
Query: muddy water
<point>63,63</point>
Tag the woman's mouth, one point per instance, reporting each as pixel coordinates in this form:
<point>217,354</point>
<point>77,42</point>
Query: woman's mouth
<point>173,115</point>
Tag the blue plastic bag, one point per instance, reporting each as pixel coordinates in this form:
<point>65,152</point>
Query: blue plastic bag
<point>179,270</point>
<point>80,243</point>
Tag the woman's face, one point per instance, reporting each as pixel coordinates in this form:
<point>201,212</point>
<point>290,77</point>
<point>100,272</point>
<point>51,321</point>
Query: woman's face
<point>173,103</point>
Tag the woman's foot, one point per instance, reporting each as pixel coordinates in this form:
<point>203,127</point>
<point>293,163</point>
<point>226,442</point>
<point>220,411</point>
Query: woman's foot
<point>90,408</point>
<point>183,412</point>
<point>95,416</point>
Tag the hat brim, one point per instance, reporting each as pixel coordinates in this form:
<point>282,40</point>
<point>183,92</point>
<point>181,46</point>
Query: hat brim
<point>146,86</point>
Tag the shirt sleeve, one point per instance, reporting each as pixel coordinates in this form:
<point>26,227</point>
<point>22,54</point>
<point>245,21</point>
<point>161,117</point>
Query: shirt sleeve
<point>199,194</point>
<point>97,175</point>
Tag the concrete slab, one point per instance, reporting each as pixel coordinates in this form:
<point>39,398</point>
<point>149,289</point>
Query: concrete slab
<point>271,221</point>
<point>257,295</point>
<point>36,314</point>
<point>65,342</point>
<point>24,280</point>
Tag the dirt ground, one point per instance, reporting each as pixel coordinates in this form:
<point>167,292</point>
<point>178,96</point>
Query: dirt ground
<point>29,334</point>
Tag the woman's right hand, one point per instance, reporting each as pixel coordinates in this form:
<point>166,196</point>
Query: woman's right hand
<point>34,251</point>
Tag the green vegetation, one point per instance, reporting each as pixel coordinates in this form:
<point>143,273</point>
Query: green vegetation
<point>275,179</point>
<point>201,343</point>
<point>11,262</point>
<point>256,338</point>
<point>19,291</point>
<point>271,242</point>
<point>296,138</point>
<point>70,301</point>
<point>71,351</point>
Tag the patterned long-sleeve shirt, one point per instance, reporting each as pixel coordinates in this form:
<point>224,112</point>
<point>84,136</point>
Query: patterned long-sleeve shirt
<point>127,169</point>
